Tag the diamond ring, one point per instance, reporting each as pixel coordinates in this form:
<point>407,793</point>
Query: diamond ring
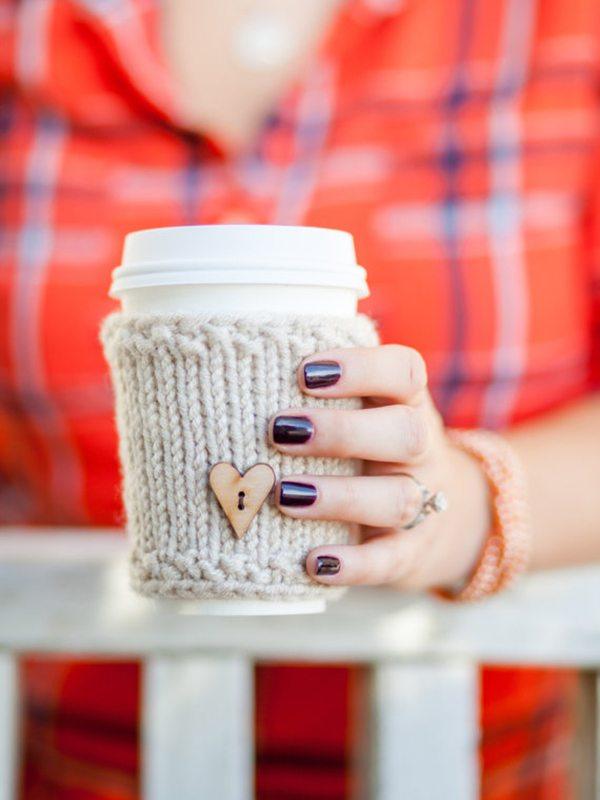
<point>431,502</point>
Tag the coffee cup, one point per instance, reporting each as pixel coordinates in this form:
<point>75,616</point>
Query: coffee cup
<point>213,325</point>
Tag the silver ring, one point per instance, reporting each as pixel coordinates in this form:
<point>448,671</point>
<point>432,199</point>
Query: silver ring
<point>431,502</point>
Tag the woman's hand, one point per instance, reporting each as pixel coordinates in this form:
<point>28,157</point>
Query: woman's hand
<point>398,430</point>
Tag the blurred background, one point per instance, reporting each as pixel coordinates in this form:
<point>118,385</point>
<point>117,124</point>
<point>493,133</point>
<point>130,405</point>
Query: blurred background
<point>455,139</point>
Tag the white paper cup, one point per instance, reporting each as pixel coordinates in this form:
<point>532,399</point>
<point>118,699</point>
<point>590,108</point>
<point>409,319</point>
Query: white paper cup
<point>240,269</point>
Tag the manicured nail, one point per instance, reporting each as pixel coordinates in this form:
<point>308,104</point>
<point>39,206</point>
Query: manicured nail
<point>292,430</point>
<point>328,565</point>
<point>293,493</point>
<point>321,373</point>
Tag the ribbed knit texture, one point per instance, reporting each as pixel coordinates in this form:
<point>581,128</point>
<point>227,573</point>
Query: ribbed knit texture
<point>194,390</point>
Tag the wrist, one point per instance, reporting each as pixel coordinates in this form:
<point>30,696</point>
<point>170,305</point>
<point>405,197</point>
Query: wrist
<point>470,512</point>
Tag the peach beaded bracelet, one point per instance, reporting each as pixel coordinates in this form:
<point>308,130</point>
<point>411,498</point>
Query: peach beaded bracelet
<point>506,552</point>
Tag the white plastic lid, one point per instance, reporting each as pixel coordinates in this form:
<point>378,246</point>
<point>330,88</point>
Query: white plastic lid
<point>239,254</point>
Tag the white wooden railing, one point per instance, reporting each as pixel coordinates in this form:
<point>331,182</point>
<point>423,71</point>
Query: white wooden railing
<point>67,592</point>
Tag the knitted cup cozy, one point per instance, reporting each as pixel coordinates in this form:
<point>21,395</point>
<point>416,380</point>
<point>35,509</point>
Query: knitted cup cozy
<point>193,390</point>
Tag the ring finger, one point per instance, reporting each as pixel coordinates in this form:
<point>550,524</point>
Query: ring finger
<point>382,501</point>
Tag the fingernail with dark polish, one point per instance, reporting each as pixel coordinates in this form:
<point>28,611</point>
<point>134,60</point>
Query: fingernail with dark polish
<point>294,493</point>
<point>292,430</point>
<point>318,374</point>
<point>328,565</point>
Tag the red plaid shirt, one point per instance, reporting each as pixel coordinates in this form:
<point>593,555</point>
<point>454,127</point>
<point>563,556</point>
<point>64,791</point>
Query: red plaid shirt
<point>457,140</point>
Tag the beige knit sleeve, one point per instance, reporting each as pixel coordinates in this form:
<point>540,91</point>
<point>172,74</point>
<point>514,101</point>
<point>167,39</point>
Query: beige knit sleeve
<point>195,390</point>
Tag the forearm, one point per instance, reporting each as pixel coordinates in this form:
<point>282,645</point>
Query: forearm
<point>561,456</point>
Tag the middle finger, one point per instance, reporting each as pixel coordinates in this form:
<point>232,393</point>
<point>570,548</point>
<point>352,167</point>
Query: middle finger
<point>395,433</point>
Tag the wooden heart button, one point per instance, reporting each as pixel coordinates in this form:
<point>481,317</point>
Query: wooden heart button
<point>241,496</point>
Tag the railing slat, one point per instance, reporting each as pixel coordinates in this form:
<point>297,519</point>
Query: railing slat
<point>595,781</point>
<point>584,752</point>
<point>423,731</point>
<point>197,728</point>
<point>9,733</point>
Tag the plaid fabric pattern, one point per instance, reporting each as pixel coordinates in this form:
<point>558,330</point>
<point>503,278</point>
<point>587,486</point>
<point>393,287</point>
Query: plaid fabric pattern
<point>456,139</point>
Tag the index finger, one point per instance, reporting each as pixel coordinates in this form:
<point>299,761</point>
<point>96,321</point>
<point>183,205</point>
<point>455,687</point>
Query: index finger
<point>387,371</point>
